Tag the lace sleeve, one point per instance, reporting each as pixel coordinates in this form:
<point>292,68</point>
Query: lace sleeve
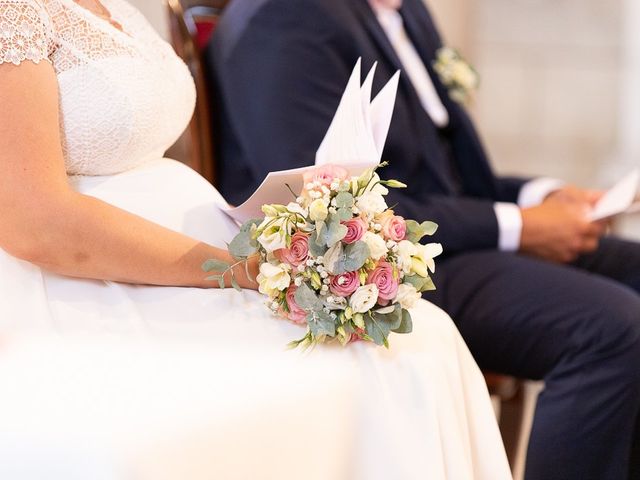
<point>24,31</point>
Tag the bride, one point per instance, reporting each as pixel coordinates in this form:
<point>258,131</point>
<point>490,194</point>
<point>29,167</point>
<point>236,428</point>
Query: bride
<point>99,233</point>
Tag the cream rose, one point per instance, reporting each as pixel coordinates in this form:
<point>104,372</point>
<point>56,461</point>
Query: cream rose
<point>407,295</point>
<point>377,246</point>
<point>318,210</point>
<point>371,203</point>
<point>273,279</point>
<point>364,298</point>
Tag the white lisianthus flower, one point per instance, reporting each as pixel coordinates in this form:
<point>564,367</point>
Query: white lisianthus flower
<point>318,210</point>
<point>423,261</point>
<point>273,279</point>
<point>407,295</point>
<point>377,246</point>
<point>376,187</point>
<point>274,237</point>
<point>371,203</point>
<point>406,250</point>
<point>364,298</point>
<point>294,207</point>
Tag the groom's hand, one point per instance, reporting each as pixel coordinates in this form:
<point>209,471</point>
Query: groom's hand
<point>571,193</point>
<point>559,229</point>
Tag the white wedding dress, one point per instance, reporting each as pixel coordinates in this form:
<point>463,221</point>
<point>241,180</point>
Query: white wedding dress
<point>423,409</point>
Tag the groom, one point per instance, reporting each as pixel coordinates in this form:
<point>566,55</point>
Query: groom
<point>536,289</point>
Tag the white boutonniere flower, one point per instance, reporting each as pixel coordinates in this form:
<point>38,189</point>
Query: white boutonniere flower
<point>456,74</point>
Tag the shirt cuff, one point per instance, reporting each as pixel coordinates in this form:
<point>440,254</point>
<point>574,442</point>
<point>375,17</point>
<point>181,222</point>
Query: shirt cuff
<point>509,226</point>
<point>535,191</point>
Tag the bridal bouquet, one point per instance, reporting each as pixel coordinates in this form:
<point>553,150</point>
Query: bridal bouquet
<point>338,260</point>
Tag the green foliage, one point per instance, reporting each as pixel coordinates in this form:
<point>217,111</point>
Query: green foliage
<point>378,326</point>
<point>421,284</point>
<point>416,231</point>
<point>331,232</point>
<point>353,258</point>
<point>344,200</point>
<point>406,325</point>
<point>307,299</point>
<point>214,265</point>
<point>321,323</point>
<point>244,244</point>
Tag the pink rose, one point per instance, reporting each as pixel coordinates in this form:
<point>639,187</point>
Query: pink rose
<point>394,228</point>
<point>383,278</point>
<point>326,175</point>
<point>344,284</point>
<point>298,251</point>
<point>356,228</point>
<point>296,314</point>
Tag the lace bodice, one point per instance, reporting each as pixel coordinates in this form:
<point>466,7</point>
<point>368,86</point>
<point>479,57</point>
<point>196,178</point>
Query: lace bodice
<point>125,97</point>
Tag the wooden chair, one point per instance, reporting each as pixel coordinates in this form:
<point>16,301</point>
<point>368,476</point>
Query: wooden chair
<point>192,22</point>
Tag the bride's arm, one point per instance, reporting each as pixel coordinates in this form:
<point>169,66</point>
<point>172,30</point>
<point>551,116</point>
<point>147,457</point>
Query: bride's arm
<point>43,221</point>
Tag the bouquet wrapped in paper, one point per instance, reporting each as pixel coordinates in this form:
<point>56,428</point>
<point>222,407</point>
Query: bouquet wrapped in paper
<point>336,258</point>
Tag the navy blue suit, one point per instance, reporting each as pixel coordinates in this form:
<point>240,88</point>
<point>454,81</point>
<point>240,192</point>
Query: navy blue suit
<point>280,68</point>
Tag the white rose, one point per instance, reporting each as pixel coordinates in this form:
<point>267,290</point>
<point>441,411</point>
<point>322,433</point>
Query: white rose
<point>377,245</point>
<point>371,203</point>
<point>423,261</point>
<point>364,298</point>
<point>318,210</point>
<point>407,295</point>
<point>273,279</point>
<point>406,250</point>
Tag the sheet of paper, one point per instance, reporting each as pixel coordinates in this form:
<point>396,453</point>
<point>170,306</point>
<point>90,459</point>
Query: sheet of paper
<point>619,199</point>
<point>274,190</point>
<point>355,140</point>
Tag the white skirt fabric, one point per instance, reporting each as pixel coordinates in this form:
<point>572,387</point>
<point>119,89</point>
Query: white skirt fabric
<point>419,410</point>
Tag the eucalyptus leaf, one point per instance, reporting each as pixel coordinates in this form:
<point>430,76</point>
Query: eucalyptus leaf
<point>316,249</point>
<point>321,323</point>
<point>378,326</point>
<point>234,283</point>
<point>353,257</point>
<point>344,200</point>
<point>416,231</point>
<point>421,284</point>
<point>214,265</point>
<point>243,245</point>
<point>335,231</point>
<point>248,225</point>
<point>344,214</point>
<point>406,326</point>
<point>307,299</point>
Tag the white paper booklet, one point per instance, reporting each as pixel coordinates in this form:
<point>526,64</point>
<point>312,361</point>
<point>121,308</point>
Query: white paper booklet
<point>620,199</point>
<point>355,140</point>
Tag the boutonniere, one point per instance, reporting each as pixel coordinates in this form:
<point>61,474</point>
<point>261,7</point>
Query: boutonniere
<point>456,74</point>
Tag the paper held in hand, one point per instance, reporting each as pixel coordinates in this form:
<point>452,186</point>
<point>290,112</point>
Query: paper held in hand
<point>619,199</point>
<point>355,140</point>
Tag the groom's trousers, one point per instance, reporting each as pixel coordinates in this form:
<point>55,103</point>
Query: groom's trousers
<point>577,327</point>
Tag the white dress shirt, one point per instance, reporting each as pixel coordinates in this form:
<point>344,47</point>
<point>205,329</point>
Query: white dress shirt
<point>532,193</point>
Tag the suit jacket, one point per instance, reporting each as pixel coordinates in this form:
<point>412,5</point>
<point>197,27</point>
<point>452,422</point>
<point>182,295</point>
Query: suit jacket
<point>280,68</point>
